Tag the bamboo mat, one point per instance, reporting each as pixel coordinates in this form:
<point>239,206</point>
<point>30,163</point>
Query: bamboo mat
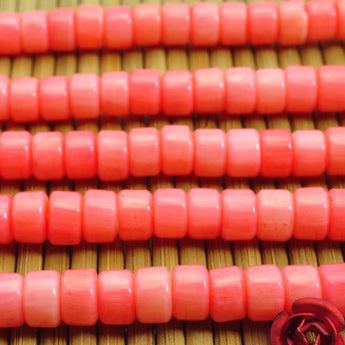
<point>23,258</point>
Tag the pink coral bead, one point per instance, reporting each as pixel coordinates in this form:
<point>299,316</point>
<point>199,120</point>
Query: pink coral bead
<point>118,27</point>
<point>205,24</point>
<point>335,160</point>
<point>227,294</point>
<point>153,297</point>
<point>170,217</point>
<point>42,299</point>
<point>340,6</point>
<point>176,24</point>
<point>6,236</point>
<point>34,32</point>
<point>79,297</point>
<point>190,292</point>
<point>65,218</point>
<point>239,215</point>
<point>336,228</point>
<point>311,213</point>
<point>99,216</point>
<point>177,150</point>
<point>116,304</point>
<point>80,155</point>
<point>10,31</point>
<point>300,281</point>
<point>265,292</point>
<point>29,217</point>
<point>11,300</point>
<point>112,155</point>
<point>204,213</point>
<point>4,96</point>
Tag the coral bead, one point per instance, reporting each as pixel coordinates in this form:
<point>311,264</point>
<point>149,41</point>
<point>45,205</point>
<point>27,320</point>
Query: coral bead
<point>79,297</point>
<point>42,299</point>
<point>29,217</point>
<point>6,236</point>
<point>265,292</point>
<point>10,31</point>
<point>116,304</point>
<point>99,216</point>
<point>4,96</point>
<point>340,6</point>
<point>336,228</point>
<point>153,297</point>
<point>190,292</point>
<point>335,160</point>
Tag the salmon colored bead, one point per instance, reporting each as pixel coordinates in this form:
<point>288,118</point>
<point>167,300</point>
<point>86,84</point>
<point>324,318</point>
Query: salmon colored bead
<point>153,297</point>
<point>177,150</point>
<point>209,93</point>
<point>29,217</point>
<point>15,153</point>
<point>311,213</point>
<point>85,96</point>
<point>240,89</point>
<point>135,215</point>
<point>332,279</point>
<point>6,236</point>
<point>243,152</point>
<point>309,153</point>
<point>177,93</point>
<point>176,24</point>
<point>99,216</point>
<point>10,31</point>
<point>24,101</point>
<point>336,228</point>
<point>275,215</point>
<point>335,150</point>
<point>301,87</point>
<point>340,6</point>
<point>322,20</point>
<point>116,304</point>
<point>65,218</point>
<point>233,23</point>
<point>300,281</point>
<point>34,32</point>
<point>239,215</point>
<point>293,23</point>
<point>54,98</point>
<point>118,27</point>
<point>265,292</point>
<point>112,155</point>
<point>90,26</point>
<point>262,23</point>
<point>4,95</point>
<point>79,305</point>
<point>204,213</point>
<point>41,299</point>
<point>227,294</point>
<point>270,90</point>
<point>145,95</point>
<point>210,152</point>
<point>144,152</point>
<point>190,292</point>
<point>62,29</point>
<point>205,24</point>
<point>115,93</point>
<point>170,216</point>
<point>331,80</point>
<point>147,24</point>
<point>80,155</point>
<point>276,153</point>
<point>11,300</point>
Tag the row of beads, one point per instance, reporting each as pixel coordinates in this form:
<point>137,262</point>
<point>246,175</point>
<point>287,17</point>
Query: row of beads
<point>153,295</point>
<point>238,90</point>
<point>100,216</point>
<point>175,151</point>
<point>203,24</point>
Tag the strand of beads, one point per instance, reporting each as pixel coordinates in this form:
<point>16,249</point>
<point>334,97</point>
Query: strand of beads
<point>153,295</point>
<point>175,151</point>
<point>296,89</point>
<point>92,27</point>
<point>65,218</point>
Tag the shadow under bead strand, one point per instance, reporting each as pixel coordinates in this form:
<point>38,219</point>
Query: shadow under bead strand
<point>237,91</point>
<point>154,295</point>
<point>100,216</point>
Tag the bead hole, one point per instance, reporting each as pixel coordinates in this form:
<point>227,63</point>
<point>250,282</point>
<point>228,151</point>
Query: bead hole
<point>311,337</point>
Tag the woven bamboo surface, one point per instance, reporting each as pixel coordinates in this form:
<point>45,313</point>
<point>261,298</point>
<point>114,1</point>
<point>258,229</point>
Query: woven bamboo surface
<point>23,258</point>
